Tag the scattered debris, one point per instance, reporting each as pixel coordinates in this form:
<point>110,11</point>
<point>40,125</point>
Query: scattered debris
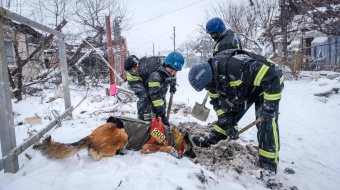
<point>36,120</point>
<point>251,149</point>
<point>201,177</point>
<point>230,156</point>
<point>97,98</point>
<point>239,170</point>
<point>28,156</point>
<point>328,93</point>
<point>289,171</point>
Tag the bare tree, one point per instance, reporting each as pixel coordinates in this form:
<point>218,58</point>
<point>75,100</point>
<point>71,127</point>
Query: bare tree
<point>323,16</point>
<point>91,14</point>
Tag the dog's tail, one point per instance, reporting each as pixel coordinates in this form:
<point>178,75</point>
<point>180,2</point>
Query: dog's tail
<point>55,150</point>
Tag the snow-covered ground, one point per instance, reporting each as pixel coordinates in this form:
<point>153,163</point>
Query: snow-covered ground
<point>309,134</point>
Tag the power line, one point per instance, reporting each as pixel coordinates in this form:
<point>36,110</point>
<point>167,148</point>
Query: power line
<point>168,13</point>
<point>151,41</point>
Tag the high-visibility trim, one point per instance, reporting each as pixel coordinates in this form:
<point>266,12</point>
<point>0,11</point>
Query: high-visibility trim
<point>211,95</point>
<point>154,84</point>
<point>281,80</point>
<point>157,103</point>
<point>268,154</point>
<point>235,83</point>
<point>132,78</point>
<point>271,61</point>
<point>220,130</point>
<point>147,116</point>
<point>216,47</point>
<point>236,127</point>
<point>276,139</point>
<point>260,75</point>
<point>220,112</point>
<point>238,46</point>
<point>272,96</point>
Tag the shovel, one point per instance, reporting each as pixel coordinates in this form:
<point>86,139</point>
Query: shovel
<point>169,106</point>
<point>200,111</point>
<point>247,127</point>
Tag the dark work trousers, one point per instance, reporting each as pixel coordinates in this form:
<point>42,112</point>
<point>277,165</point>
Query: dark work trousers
<point>267,134</point>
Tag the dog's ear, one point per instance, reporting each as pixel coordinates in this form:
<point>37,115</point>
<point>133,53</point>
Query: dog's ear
<point>111,120</point>
<point>190,153</point>
<point>115,120</point>
<point>187,140</point>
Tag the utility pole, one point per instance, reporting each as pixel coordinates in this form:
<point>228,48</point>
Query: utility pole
<point>174,39</point>
<point>153,48</point>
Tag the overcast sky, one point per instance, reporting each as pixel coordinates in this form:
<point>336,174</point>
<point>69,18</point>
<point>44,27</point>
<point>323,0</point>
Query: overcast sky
<point>159,31</point>
<point>153,22</point>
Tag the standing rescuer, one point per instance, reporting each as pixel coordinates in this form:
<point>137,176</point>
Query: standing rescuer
<point>236,79</point>
<point>152,86</point>
<point>224,38</point>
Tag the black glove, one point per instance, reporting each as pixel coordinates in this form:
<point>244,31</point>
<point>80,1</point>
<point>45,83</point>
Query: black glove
<point>165,121</point>
<point>268,115</point>
<point>173,89</point>
<point>232,132</point>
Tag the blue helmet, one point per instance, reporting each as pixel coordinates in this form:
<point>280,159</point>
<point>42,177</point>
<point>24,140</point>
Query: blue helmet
<point>175,60</point>
<point>200,75</point>
<point>215,25</point>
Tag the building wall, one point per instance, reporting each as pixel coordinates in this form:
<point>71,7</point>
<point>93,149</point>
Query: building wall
<point>29,71</point>
<point>327,52</point>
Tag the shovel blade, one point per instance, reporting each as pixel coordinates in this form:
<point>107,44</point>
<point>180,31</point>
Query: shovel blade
<point>200,112</point>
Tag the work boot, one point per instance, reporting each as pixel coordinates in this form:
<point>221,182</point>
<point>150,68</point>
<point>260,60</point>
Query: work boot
<point>211,139</point>
<point>269,166</point>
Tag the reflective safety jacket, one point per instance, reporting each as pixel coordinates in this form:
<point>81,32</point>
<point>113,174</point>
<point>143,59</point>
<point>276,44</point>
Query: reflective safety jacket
<point>236,75</point>
<point>158,84</point>
<point>228,40</point>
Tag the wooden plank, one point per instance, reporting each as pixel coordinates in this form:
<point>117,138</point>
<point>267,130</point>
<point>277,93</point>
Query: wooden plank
<point>21,148</point>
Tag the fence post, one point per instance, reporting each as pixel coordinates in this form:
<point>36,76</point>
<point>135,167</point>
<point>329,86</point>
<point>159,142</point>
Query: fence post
<point>64,72</point>
<point>7,132</point>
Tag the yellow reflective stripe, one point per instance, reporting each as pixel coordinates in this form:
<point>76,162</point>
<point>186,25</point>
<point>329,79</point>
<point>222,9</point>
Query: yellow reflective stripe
<point>132,78</point>
<point>235,83</point>
<point>216,47</point>
<point>272,96</point>
<point>236,127</point>
<point>281,80</point>
<point>157,103</point>
<point>260,75</point>
<point>154,84</point>
<point>218,129</point>
<point>147,116</point>
<point>276,139</point>
<point>238,46</point>
<point>220,112</point>
<point>271,61</point>
<point>211,95</point>
<point>268,154</point>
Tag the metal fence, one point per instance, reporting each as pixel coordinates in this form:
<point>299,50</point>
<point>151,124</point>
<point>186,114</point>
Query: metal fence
<point>10,151</point>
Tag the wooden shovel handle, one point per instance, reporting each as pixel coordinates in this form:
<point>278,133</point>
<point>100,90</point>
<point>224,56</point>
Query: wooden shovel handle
<point>169,106</point>
<point>248,126</point>
<point>205,98</point>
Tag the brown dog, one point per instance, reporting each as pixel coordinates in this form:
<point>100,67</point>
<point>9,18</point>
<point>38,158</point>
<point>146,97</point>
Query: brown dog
<point>110,138</point>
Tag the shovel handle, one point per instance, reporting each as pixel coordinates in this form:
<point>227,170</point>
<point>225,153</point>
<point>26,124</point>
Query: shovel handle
<point>169,106</point>
<point>205,99</point>
<point>248,126</point>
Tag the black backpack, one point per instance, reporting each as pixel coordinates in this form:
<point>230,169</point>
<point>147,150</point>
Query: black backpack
<point>148,65</point>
